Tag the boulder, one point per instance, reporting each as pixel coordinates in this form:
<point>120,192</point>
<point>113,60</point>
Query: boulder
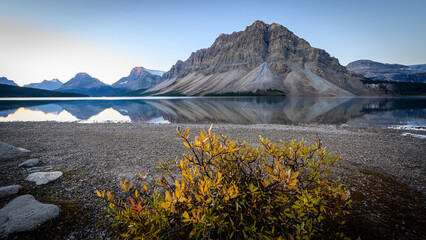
<point>41,178</point>
<point>25,213</point>
<point>9,190</point>
<point>30,163</point>
<point>10,152</point>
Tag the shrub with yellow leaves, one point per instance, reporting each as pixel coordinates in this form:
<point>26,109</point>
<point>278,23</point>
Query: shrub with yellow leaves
<point>228,190</point>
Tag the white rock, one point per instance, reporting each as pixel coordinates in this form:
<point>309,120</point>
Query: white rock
<point>24,150</point>
<point>41,178</point>
<point>9,190</point>
<point>30,163</point>
<point>24,213</point>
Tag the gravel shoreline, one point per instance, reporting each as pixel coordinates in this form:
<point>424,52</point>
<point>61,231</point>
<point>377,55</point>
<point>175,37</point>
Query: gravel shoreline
<point>382,168</point>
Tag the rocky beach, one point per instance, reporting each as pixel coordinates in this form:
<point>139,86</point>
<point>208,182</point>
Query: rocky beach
<point>383,168</point>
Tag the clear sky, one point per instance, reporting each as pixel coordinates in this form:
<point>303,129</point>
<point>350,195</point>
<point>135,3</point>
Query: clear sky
<point>48,39</point>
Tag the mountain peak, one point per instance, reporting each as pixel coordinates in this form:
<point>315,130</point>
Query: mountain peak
<point>261,58</point>
<point>139,78</point>
<point>257,24</point>
<point>5,81</point>
<point>82,80</point>
<point>140,70</point>
<point>82,75</point>
<point>260,25</point>
<point>53,84</point>
<point>137,70</point>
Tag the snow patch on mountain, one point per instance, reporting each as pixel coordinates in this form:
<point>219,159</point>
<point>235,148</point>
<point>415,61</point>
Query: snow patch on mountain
<point>155,72</point>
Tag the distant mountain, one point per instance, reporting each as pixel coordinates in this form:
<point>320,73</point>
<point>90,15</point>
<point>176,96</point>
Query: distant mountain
<point>13,91</point>
<point>5,81</point>
<point>261,60</point>
<point>83,83</point>
<point>418,67</point>
<point>139,78</point>
<point>53,84</point>
<point>391,72</point>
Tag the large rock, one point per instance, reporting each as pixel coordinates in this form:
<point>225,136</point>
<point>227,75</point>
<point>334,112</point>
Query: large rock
<point>41,178</point>
<point>24,213</point>
<point>9,190</point>
<point>30,163</point>
<point>262,59</point>
<point>9,152</point>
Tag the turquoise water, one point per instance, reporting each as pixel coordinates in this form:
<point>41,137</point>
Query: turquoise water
<point>236,110</point>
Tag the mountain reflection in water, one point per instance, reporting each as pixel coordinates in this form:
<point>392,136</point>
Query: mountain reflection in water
<point>235,110</point>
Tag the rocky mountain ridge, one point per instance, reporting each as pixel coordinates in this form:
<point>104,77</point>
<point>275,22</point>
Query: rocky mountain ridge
<point>139,78</point>
<point>262,58</point>
<point>391,72</point>
<point>53,84</point>
<point>16,91</point>
<point>417,67</point>
<point>82,81</point>
<point>5,81</point>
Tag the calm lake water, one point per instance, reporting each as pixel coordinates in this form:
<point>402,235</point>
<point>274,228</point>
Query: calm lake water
<point>237,110</point>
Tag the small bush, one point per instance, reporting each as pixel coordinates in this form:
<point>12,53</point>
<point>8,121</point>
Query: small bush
<point>228,190</point>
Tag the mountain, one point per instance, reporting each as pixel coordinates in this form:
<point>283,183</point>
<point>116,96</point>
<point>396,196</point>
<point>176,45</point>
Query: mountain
<point>139,78</point>
<point>5,81</point>
<point>261,60</point>
<point>418,67</point>
<point>46,84</point>
<point>83,83</point>
<point>391,72</point>
<point>13,91</point>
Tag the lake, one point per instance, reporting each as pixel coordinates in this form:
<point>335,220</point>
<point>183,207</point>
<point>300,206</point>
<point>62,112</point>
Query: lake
<point>358,111</point>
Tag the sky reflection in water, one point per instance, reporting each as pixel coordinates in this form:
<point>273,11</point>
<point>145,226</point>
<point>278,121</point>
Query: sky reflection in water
<point>235,110</point>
